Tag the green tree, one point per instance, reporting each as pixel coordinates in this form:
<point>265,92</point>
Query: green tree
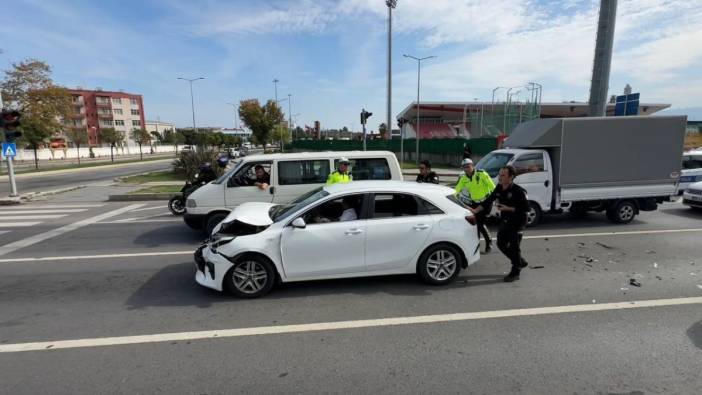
<point>111,137</point>
<point>28,88</point>
<point>141,137</point>
<point>262,120</point>
<point>281,133</point>
<point>78,137</point>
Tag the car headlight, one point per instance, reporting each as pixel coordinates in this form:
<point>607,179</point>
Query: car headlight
<point>190,203</point>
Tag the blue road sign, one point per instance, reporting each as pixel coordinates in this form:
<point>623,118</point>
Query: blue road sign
<point>627,105</point>
<point>9,150</point>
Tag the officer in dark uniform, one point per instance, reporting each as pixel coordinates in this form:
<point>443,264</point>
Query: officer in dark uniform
<point>425,173</point>
<point>513,206</point>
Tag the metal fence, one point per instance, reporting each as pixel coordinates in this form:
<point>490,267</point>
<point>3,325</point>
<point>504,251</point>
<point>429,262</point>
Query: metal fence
<point>438,151</point>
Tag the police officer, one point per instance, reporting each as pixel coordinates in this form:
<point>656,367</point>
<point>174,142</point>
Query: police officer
<point>474,186</point>
<point>342,175</point>
<point>513,206</point>
<point>425,173</point>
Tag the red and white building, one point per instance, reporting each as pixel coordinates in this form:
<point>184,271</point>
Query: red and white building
<point>94,110</point>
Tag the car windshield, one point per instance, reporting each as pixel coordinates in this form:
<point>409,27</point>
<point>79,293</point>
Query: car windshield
<point>279,213</point>
<point>493,162</point>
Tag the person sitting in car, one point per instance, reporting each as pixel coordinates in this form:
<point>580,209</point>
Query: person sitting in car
<point>262,179</point>
<point>348,213</point>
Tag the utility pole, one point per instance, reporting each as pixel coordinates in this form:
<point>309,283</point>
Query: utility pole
<point>391,5</point>
<point>603,58</point>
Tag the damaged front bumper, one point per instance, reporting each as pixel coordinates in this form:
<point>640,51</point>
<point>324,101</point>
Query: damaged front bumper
<point>210,267</point>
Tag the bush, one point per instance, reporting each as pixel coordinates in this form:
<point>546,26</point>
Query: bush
<point>188,162</point>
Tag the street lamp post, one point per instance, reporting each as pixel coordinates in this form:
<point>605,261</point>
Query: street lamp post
<point>192,100</point>
<point>419,65</point>
<point>391,5</point>
<point>289,115</point>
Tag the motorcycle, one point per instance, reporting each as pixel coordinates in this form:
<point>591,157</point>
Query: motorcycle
<point>176,204</point>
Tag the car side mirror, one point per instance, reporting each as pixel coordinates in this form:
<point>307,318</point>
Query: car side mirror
<point>299,223</point>
<point>230,182</point>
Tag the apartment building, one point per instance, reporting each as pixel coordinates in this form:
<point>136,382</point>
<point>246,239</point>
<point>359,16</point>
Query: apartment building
<point>97,109</point>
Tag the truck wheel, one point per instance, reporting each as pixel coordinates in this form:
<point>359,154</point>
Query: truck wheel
<point>213,221</point>
<point>622,212</point>
<point>534,214</point>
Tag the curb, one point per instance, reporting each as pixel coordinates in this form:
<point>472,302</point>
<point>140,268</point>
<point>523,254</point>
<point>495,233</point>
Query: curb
<point>30,196</point>
<point>140,197</point>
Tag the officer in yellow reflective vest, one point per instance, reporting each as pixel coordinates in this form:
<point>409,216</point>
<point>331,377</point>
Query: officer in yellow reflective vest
<point>474,186</point>
<point>342,175</point>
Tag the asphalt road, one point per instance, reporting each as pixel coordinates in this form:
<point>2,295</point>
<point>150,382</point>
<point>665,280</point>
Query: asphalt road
<point>615,348</point>
<point>37,182</point>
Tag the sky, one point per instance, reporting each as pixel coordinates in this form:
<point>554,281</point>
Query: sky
<point>330,56</point>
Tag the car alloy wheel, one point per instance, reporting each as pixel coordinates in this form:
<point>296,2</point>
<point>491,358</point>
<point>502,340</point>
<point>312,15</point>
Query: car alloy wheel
<point>250,277</point>
<point>441,265</point>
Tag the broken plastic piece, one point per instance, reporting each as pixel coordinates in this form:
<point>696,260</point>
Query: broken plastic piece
<point>633,282</point>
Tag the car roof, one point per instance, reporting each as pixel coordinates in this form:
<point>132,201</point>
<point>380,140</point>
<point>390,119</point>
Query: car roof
<point>389,186</point>
<point>319,154</point>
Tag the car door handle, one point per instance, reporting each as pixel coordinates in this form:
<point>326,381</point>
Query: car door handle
<point>546,183</point>
<point>421,227</point>
<point>271,190</point>
<point>353,232</point>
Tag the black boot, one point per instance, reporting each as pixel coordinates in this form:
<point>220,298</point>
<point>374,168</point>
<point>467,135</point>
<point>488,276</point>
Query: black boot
<point>524,263</point>
<point>488,246</point>
<point>512,276</point>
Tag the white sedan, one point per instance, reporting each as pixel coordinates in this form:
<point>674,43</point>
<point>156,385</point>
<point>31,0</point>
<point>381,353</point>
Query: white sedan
<point>363,228</point>
<point>693,195</point>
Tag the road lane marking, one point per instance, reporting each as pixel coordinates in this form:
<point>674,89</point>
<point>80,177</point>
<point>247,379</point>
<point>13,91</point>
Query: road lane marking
<point>625,233</point>
<point>17,224</point>
<point>7,248</point>
<point>138,221</point>
<point>28,206</point>
<point>338,325</point>
<point>70,210</point>
<point>2,232</point>
<point>104,256</point>
<point>148,208</point>
<point>41,216</point>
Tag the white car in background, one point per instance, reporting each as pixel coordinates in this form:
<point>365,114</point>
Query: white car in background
<point>691,170</point>
<point>693,195</point>
<point>390,227</point>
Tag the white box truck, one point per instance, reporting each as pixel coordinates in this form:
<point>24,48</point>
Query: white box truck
<point>619,165</point>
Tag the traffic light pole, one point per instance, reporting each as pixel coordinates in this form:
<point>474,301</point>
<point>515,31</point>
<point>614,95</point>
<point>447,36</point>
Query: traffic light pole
<point>364,136</point>
<point>11,175</point>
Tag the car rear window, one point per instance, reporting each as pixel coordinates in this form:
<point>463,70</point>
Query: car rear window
<point>457,201</point>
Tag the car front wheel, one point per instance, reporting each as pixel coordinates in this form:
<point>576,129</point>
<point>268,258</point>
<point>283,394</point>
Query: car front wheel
<point>251,277</point>
<point>439,264</point>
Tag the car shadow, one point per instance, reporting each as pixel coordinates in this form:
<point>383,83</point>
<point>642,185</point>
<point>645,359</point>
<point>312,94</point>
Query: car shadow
<point>169,234</point>
<point>684,211</point>
<point>175,286</point>
<point>695,334</point>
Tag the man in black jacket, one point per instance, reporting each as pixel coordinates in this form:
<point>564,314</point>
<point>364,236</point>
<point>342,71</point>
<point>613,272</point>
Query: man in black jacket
<point>425,173</point>
<point>513,206</point>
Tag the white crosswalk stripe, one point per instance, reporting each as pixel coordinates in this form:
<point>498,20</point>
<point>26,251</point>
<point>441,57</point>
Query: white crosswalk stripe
<point>23,216</point>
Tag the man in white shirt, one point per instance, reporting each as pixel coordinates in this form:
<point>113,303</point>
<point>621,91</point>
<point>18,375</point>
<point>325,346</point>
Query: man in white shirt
<point>349,213</point>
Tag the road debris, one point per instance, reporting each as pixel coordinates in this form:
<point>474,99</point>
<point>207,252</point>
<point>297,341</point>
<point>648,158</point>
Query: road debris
<point>655,264</point>
<point>589,259</point>
<point>604,245</point>
<point>650,252</point>
<point>536,267</point>
<point>624,289</point>
<point>633,282</point>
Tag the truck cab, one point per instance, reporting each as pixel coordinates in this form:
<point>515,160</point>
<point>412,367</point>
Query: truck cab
<point>534,174</point>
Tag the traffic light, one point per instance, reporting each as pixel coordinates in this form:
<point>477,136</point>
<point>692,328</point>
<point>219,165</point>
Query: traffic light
<point>401,122</point>
<point>365,115</point>
<point>10,121</point>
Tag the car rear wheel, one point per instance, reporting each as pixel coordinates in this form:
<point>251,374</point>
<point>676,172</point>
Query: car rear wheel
<point>439,264</point>
<point>251,277</point>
